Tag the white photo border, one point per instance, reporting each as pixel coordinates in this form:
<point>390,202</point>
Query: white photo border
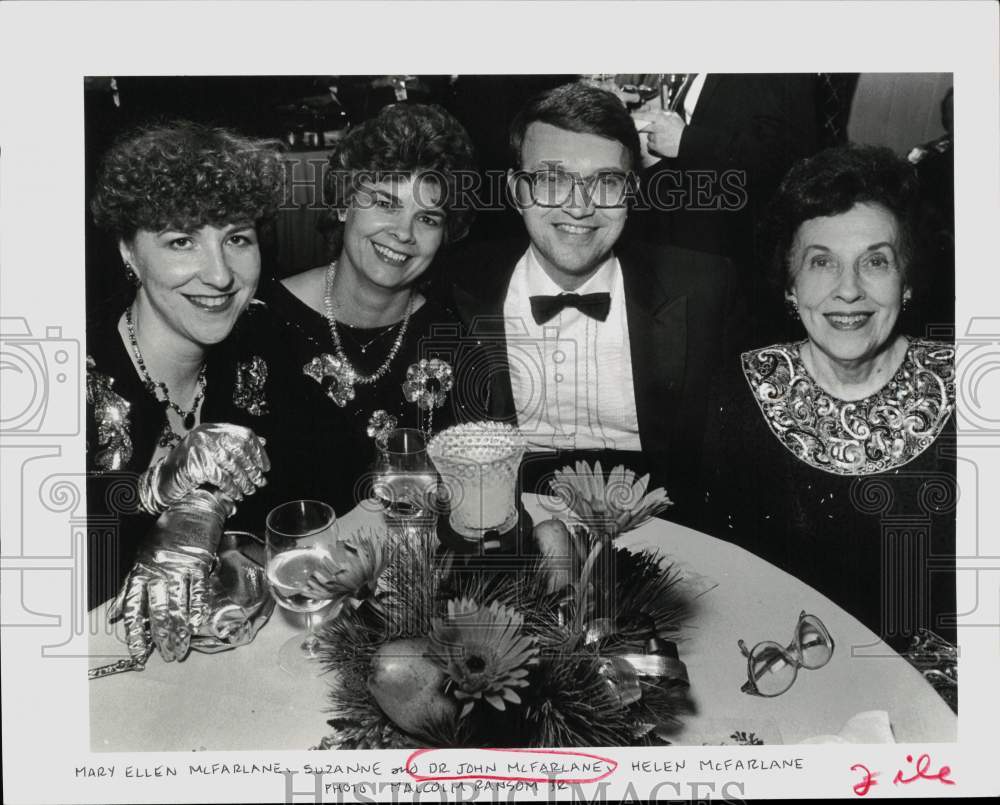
<point>46,50</point>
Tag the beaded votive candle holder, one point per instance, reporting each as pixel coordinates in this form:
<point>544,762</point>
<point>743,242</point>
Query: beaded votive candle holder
<point>478,463</point>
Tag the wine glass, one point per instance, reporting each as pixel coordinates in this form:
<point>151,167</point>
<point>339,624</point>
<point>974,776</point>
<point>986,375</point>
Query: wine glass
<point>301,539</point>
<point>406,482</point>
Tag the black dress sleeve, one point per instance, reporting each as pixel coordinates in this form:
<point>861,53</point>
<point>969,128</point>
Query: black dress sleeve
<point>121,433</point>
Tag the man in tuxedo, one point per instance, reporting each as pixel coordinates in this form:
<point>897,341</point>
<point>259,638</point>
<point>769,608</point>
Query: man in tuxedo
<point>721,150</point>
<point>591,350</point>
<point>714,160</point>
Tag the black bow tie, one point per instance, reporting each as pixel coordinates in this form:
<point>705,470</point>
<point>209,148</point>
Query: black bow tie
<point>595,305</point>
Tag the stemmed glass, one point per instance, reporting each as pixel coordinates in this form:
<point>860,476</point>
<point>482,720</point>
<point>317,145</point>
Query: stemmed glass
<point>301,539</point>
<point>670,85</point>
<point>406,483</point>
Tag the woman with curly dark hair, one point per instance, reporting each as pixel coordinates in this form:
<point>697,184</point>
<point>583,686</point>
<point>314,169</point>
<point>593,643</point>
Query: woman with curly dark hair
<point>172,409</point>
<point>833,453</point>
<point>354,326</point>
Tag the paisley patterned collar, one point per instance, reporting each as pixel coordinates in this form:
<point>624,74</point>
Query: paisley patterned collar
<point>858,437</point>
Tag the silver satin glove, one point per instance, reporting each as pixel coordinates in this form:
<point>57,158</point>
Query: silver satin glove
<point>228,457</point>
<point>166,597</point>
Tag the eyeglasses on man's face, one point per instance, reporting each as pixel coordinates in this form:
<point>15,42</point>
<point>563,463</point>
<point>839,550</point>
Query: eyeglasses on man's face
<point>553,187</point>
<point>772,670</point>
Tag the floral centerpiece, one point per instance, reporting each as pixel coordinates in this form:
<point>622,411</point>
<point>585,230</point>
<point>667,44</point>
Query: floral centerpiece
<point>572,649</point>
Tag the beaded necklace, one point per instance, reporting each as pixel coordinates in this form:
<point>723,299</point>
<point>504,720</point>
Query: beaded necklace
<point>169,437</point>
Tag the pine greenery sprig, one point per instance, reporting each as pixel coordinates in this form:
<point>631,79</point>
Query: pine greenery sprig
<point>649,596</point>
<point>573,705</point>
<point>569,701</point>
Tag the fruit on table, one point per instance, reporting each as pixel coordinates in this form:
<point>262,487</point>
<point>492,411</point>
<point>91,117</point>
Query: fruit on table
<point>559,552</point>
<point>408,687</point>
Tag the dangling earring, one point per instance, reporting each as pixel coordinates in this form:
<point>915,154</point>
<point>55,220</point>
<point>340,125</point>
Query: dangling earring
<point>793,309</point>
<point>132,276</point>
<point>906,302</point>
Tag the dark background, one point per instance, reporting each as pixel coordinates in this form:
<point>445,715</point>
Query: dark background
<point>300,110</point>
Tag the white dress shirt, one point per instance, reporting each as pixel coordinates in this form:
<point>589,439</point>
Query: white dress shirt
<point>572,376</point>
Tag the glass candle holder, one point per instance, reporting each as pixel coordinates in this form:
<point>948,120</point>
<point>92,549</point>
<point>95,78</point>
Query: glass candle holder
<point>478,463</point>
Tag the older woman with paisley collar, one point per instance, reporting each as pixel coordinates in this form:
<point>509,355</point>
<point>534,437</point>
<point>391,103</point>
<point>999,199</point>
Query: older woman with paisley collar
<point>825,443</point>
<point>356,325</point>
<point>170,406</point>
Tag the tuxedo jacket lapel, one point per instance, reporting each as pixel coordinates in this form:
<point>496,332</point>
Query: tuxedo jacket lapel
<point>658,325</point>
<point>479,302</point>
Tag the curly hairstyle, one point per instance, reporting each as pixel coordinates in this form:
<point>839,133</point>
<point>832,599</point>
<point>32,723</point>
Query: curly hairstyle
<point>186,175</point>
<point>403,140</point>
<point>581,108</point>
<point>831,183</point>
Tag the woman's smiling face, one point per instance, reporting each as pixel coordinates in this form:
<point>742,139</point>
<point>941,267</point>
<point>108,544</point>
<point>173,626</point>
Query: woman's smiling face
<point>197,282</point>
<point>848,282</point>
<point>392,230</point>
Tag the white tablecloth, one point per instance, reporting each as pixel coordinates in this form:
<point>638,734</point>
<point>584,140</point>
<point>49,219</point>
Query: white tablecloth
<point>242,700</point>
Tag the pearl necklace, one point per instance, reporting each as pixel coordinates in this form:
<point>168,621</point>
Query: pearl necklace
<point>378,374</point>
<point>169,437</point>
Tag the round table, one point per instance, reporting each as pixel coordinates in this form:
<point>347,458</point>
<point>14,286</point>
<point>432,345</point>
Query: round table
<point>242,700</point>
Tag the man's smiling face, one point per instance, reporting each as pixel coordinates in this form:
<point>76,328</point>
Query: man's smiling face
<point>571,240</point>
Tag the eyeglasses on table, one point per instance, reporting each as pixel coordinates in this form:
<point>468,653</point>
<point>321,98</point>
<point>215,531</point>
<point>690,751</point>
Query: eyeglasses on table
<point>773,669</point>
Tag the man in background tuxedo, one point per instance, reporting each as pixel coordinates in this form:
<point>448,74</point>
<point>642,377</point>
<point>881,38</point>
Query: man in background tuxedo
<point>755,127</point>
<point>591,350</point>
<point>714,159</point>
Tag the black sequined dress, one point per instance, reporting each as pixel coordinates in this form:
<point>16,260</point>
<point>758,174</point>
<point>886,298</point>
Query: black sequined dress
<point>324,448</point>
<point>857,499</point>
